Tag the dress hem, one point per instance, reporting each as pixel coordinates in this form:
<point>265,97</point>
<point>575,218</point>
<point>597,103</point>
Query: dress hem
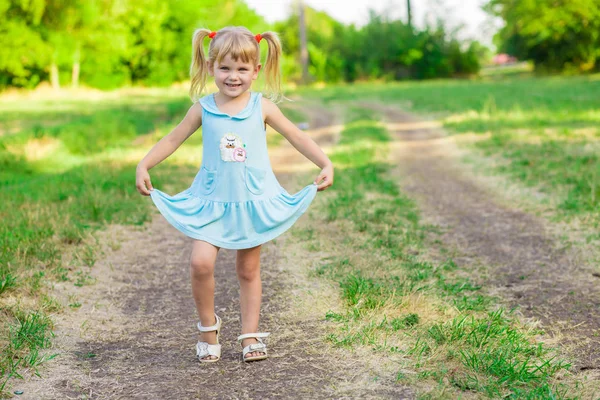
<point>237,245</point>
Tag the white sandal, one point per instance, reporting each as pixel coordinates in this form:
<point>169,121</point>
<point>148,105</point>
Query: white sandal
<point>260,347</point>
<point>204,349</point>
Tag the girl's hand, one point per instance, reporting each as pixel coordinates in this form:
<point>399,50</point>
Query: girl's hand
<point>142,181</point>
<point>326,176</point>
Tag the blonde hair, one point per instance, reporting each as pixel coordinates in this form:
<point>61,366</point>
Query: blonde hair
<point>240,44</point>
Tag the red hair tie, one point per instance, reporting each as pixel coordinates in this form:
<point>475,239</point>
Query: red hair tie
<point>258,37</point>
<point>212,34</point>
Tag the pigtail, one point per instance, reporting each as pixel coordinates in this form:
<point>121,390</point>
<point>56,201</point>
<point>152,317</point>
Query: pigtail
<point>272,70</point>
<point>198,69</point>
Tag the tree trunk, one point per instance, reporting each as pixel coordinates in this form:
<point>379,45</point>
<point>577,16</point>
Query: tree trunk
<point>75,71</point>
<point>409,11</point>
<point>303,46</point>
<point>54,80</point>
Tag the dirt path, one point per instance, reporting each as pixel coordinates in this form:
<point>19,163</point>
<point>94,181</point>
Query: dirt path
<point>524,263</point>
<point>134,336</point>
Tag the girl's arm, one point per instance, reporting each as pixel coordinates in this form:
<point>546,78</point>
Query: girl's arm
<point>166,146</point>
<point>301,141</point>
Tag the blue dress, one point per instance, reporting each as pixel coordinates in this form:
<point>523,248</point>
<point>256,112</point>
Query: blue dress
<point>235,200</point>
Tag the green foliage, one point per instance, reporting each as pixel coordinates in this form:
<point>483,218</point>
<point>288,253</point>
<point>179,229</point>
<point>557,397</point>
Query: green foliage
<point>383,48</point>
<point>324,34</point>
<point>23,51</point>
<point>555,34</point>
<point>113,42</point>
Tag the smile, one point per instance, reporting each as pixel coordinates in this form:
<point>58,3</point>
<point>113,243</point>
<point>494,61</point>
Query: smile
<point>233,86</point>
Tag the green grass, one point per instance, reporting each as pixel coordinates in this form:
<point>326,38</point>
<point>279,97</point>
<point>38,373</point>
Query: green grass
<point>547,102</point>
<point>568,166</point>
<point>30,333</point>
<point>522,69</point>
<point>458,341</point>
<point>543,133</point>
<point>62,178</point>
<point>31,112</point>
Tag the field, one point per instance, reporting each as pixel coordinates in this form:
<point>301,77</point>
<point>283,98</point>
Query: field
<point>542,133</point>
<point>404,295</point>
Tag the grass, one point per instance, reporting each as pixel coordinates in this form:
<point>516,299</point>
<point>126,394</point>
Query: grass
<point>445,335</point>
<point>542,133</point>
<point>521,69</point>
<point>62,179</point>
<point>26,337</point>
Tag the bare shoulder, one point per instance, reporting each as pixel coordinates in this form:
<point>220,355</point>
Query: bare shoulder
<point>194,113</point>
<point>192,119</point>
<point>268,106</point>
<point>271,112</point>
<point>196,109</point>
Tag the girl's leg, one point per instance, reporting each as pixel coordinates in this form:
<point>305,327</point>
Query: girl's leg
<point>248,272</point>
<point>202,267</point>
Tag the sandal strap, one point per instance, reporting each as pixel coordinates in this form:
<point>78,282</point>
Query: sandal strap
<point>256,336</point>
<point>204,349</point>
<point>256,347</point>
<point>215,327</point>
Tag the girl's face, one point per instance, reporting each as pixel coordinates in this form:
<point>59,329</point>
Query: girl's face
<point>233,77</point>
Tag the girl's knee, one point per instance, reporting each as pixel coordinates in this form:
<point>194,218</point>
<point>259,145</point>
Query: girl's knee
<point>248,272</point>
<point>201,268</point>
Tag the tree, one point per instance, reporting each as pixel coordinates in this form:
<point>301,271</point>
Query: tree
<point>65,26</point>
<point>107,43</point>
<point>23,51</point>
<point>113,43</point>
<point>555,34</point>
<point>323,35</point>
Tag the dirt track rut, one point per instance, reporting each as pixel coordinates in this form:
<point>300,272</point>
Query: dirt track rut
<point>525,264</point>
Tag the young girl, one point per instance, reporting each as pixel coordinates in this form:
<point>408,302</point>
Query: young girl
<point>235,201</point>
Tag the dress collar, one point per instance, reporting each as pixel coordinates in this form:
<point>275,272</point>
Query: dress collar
<point>209,104</point>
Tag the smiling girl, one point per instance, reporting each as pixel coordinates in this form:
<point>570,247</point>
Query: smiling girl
<point>235,201</point>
